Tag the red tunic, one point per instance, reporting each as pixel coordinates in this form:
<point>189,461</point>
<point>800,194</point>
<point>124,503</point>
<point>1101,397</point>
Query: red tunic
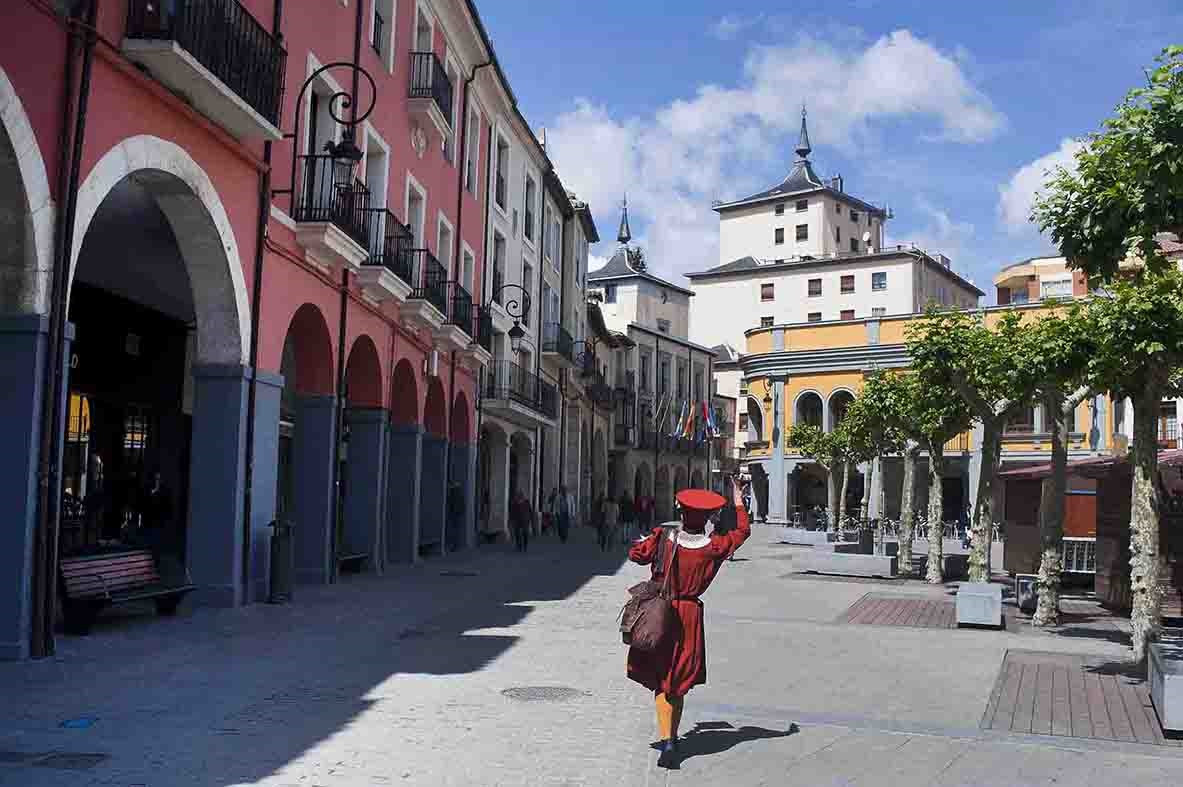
<point>683,665</point>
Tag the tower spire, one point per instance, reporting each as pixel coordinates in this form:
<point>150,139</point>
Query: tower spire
<point>803,148</point>
<point>624,235</point>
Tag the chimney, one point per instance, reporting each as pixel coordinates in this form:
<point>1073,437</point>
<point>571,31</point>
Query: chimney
<point>836,183</point>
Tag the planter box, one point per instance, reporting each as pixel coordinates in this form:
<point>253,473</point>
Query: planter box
<point>802,537</point>
<point>1027,592</point>
<point>853,565</point>
<point>1165,675</point>
<point>979,604</point>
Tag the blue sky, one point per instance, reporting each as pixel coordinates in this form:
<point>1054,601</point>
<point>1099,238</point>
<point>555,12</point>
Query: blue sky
<point>947,112</point>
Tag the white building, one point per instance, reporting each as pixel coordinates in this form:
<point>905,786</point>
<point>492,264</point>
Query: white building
<point>806,251</point>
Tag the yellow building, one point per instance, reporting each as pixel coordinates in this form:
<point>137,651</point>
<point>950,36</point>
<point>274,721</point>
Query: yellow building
<point>810,372</point>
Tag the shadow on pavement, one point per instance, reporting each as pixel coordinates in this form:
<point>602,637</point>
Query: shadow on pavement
<point>715,737</point>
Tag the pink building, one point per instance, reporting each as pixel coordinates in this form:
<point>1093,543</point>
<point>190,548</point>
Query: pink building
<point>259,230</point>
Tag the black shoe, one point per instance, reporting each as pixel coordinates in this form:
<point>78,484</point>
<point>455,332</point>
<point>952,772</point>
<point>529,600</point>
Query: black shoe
<point>669,756</point>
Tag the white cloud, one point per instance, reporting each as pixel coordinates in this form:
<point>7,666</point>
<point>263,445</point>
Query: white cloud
<point>729,27</point>
<point>941,234</point>
<point>1016,196</point>
<point>709,145</point>
<point>595,262</point>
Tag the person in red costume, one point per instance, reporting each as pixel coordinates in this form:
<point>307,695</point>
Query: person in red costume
<point>671,672</point>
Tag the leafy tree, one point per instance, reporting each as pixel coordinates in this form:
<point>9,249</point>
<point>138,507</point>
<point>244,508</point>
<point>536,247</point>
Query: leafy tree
<point>986,367</point>
<point>1128,187</point>
<point>871,435</point>
<point>826,449</point>
<point>928,413</point>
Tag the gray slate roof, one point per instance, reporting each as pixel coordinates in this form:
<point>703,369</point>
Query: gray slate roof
<point>618,268</point>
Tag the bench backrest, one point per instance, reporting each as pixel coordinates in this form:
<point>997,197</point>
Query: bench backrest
<point>96,576</point>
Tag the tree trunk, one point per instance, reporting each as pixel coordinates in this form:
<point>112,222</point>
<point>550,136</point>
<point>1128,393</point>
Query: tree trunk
<point>983,521</point>
<point>907,501</point>
<point>1144,557</point>
<point>842,496</point>
<point>936,532</point>
<point>832,499</point>
<point>878,473</point>
<point>865,507</point>
<point>1051,514</point>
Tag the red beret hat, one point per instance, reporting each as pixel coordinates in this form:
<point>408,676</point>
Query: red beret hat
<point>700,500</point>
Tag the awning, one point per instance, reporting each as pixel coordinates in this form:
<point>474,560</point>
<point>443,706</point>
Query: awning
<point>1092,467</point>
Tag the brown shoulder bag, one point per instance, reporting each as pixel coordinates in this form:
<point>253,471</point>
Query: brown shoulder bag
<point>647,619</point>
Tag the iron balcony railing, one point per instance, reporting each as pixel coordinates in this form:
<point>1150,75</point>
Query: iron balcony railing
<point>430,80</point>
<point>389,241</point>
<point>510,380</point>
<point>329,192</point>
<point>431,279</point>
<point>556,339</point>
<point>225,39</point>
<point>483,325</point>
<point>461,313</point>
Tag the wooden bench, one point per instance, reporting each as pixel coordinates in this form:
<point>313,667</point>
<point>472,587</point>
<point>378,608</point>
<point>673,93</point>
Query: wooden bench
<point>90,583</point>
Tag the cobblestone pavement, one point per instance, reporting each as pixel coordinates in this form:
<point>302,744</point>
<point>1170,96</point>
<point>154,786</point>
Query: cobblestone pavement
<point>403,679</point>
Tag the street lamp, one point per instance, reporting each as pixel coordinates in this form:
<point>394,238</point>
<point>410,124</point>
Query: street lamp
<point>517,308</point>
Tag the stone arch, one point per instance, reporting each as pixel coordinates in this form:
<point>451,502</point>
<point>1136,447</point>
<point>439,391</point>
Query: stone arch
<point>201,225</point>
<point>435,409</point>
<point>26,234</point>
<point>679,479</point>
<point>840,399</point>
<point>755,419</point>
<point>308,353</point>
<point>404,395</point>
<point>642,480</point>
<point>808,409</point>
<point>461,432</point>
<point>363,374</point>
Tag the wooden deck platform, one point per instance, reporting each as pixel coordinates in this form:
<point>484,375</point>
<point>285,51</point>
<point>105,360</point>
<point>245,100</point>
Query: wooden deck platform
<point>886,609</point>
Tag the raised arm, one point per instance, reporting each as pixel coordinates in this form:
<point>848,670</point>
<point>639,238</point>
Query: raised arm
<point>735,538</point>
<point>644,551</point>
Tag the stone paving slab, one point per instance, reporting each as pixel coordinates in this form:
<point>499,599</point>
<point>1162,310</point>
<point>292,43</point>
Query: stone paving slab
<point>877,609</point>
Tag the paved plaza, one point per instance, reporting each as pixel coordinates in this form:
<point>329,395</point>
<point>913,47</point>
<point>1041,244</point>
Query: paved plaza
<point>494,668</point>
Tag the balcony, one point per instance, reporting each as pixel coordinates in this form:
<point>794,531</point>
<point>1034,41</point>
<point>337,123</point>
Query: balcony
<point>431,91</point>
<point>214,54</point>
<point>385,275</point>
<point>557,343</point>
<point>456,332</point>
<point>332,212</point>
<point>479,350</point>
<point>427,308</point>
<point>517,394</point>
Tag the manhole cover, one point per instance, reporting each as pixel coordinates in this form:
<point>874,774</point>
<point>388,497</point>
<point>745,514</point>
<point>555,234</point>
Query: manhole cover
<point>68,761</point>
<point>458,573</point>
<point>543,693</point>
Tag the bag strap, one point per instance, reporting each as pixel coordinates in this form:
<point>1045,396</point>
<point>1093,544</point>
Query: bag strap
<point>669,569</point>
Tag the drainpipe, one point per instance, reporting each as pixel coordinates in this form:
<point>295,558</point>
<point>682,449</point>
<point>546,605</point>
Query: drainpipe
<point>485,284</point>
<point>44,589</point>
<point>256,300</point>
<point>710,381</point>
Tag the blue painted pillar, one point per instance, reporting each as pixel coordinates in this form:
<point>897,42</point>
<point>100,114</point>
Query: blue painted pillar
<point>432,493</point>
<point>24,351</point>
<point>312,487</point>
<point>404,456</point>
<point>778,482</point>
<point>457,528</point>
<point>364,487</point>
<point>268,388</point>
<point>217,478</point>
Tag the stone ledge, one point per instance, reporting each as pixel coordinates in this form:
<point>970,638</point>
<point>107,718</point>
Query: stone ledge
<point>979,604</point>
<point>853,565</point>
<point>1164,668</point>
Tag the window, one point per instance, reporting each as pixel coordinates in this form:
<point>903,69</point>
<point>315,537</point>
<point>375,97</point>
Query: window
<point>846,314</point>
<point>467,272</point>
<point>815,287</point>
<point>802,205</point>
<point>1022,422</point>
<point>528,284</point>
<point>847,284</point>
<point>802,232</point>
<point>838,208</point>
<point>663,325</point>
<point>1080,555</point>
<point>609,293</point>
<point>697,384</point>
<point>854,245</point>
<point>767,292</point>
<point>499,194</point>
<point>498,265</point>
<point>743,422</point>
<point>765,322</point>
<point>528,229</point>
<point>837,234</point>
<point>779,210</point>
<point>1056,289</point>
<point>815,317</point>
<point>472,151</point>
<point>854,216</point>
<point>555,238</point>
<point>681,380</point>
<point>547,315</point>
<point>878,311</point>
<point>663,369</point>
<point>879,280</point>
<point>450,140</point>
<point>778,235</point>
<point>644,382</point>
<point>443,245</point>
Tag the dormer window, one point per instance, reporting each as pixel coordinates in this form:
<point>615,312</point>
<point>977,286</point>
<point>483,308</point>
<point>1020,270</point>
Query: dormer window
<point>802,205</point>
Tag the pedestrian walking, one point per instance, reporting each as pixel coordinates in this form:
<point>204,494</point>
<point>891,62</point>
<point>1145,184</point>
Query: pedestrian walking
<point>562,507</point>
<point>521,516</point>
<point>610,522</point>
<point>679,664</point>
<point>628,517</point>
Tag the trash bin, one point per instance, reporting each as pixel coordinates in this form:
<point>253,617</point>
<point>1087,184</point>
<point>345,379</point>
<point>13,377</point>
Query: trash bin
<point>283,568</point>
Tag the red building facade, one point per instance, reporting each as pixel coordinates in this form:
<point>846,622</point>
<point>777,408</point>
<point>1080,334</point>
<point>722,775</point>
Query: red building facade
<point>270,222</point>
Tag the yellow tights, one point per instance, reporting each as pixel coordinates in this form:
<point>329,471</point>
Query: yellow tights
<point>669,715</point>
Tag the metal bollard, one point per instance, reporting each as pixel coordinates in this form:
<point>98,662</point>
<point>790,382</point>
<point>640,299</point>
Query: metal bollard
<point>283,568</point>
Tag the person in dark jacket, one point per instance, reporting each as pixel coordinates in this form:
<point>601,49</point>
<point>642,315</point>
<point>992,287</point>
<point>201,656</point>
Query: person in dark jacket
<point>521,516</point>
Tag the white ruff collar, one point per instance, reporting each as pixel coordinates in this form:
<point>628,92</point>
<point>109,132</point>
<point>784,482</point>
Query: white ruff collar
<point>691,540</point>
